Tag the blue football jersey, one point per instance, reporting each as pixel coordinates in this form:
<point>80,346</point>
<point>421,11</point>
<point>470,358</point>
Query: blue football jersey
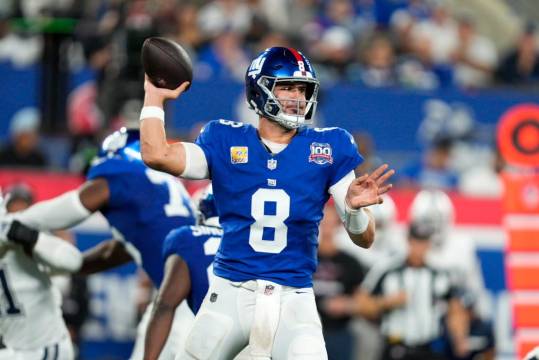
<point>144,206</point>
<point>197,246</point>
<point>270,205</point>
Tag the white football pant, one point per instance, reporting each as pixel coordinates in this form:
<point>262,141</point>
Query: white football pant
<point>183,319</point>
<point>62,350</point>
<point>284,326</point>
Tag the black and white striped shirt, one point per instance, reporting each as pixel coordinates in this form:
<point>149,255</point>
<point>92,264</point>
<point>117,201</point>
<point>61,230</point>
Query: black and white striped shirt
<point>428,290</point>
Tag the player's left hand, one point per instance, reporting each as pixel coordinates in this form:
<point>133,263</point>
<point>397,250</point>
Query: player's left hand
<point>368,189</point>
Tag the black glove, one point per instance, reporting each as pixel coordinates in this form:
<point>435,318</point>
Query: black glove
<point>23,235</point>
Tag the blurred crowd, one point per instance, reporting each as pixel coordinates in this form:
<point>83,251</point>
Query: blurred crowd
<point>421,44</point>
<point>412,44</point>
<point>398,304</point>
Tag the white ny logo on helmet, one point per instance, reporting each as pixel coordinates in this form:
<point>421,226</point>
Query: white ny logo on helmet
<point>256,66</point>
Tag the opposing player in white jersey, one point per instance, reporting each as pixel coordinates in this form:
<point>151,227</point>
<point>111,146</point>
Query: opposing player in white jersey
<point>453,251</point>
<point>457,253</point>
<point>270,185</point>
<point>31,322</point>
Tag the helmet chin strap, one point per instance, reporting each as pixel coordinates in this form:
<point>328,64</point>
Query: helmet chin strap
<point>292,121</point>
<point>285,123</point>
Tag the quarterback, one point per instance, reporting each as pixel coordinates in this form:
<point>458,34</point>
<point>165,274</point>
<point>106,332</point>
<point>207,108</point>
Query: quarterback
<point>270,185</point>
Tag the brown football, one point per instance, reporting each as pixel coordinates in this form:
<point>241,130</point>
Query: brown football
<point>166,63</point>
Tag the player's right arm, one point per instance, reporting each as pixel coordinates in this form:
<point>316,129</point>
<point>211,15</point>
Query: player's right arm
<point>55,253</point>
<point>105,255</point>
<point>68,209</point>
<point>174,289</point>
<point>179,158</point>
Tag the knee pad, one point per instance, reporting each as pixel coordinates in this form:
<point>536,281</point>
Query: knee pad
<point>307,347</point>
<point>207,334</point>
<point>301,313</point>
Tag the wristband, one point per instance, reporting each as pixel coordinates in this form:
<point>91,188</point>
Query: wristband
<point>152,112</point>
<point>356,220</point>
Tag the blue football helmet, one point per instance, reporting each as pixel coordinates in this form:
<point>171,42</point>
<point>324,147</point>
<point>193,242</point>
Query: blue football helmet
<point>121,142</point>
<point>281,65</point>
<point>207,210</point>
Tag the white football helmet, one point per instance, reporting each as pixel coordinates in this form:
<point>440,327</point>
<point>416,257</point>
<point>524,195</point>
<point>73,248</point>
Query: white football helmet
<point>436,208</point>
<point>385,216</point>
<point>385,213</point>
<point>533,355</point>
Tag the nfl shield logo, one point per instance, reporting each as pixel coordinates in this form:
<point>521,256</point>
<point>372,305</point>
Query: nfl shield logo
<point>269,290</point>
<point>272,164</point>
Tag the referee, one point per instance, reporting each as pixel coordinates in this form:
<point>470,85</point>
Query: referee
<point>410,298</point>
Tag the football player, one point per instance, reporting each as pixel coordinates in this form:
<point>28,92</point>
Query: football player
<point>141,205</point>
<point>270,185</point>
<point>188,252</point>
<point>450,250</point>
<point>457,253</point>
<point>31,320</point>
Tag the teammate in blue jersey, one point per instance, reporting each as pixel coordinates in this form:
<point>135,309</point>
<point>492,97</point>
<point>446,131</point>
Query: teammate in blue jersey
<point>140,204</point>
<point>270,184</point>
<point>188,252</point>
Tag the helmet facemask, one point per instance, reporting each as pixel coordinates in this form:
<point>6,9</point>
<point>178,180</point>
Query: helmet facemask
<point>114,142</point>
<point>273,107</point>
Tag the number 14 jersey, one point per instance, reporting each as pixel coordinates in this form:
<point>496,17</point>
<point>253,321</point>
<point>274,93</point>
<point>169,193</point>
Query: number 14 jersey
<point>270,205</point>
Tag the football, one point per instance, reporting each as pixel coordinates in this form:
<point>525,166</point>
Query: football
<point>166,63</point>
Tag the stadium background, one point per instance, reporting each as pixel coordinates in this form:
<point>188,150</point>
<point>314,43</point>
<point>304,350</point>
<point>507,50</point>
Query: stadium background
<point>78,63</point>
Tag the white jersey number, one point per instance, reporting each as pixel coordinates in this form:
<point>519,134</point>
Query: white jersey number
<point>276,220</point>
<point>177,194</point>
<point>8,297</point>
<point>234,124</point>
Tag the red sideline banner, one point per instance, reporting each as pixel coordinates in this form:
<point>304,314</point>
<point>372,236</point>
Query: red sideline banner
<point>46,185</point>
<point>468,210</point>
